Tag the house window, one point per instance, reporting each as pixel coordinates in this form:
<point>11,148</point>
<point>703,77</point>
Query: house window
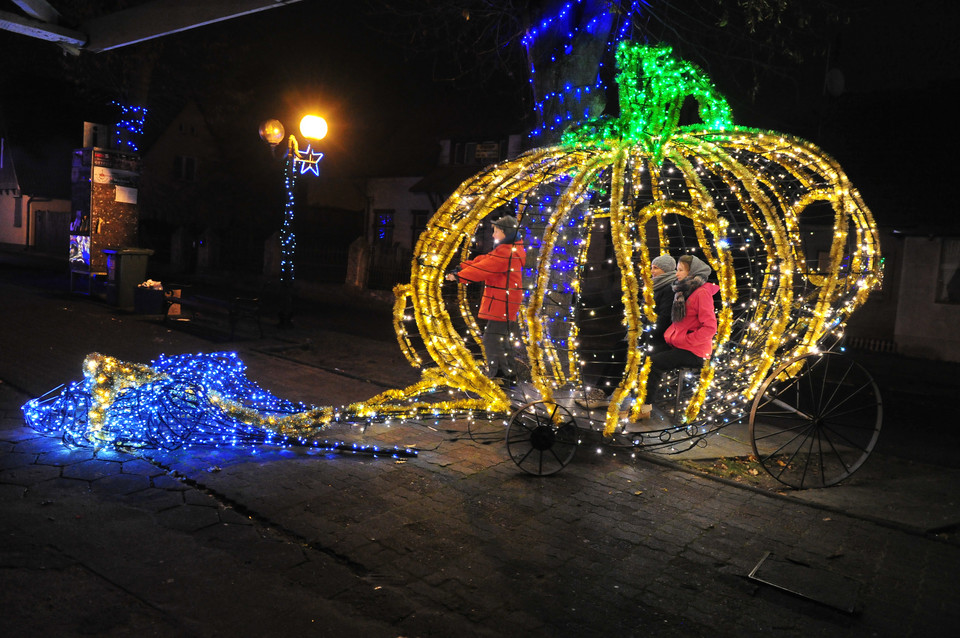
<point>420,219</point>
<point>185,168</point>
<point>18,212</point>
<point>470,157</point>
<point>948,279</point>
<point>383,226</point>
<point>465,153</point>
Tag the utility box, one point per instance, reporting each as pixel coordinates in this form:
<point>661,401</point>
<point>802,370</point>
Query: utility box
<point>105,185</point>
<point>126,269</point>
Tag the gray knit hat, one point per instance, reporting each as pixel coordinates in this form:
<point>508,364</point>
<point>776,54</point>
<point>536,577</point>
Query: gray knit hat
<point>700,268</point>
<point>665,262</point>
<point>506,223</point>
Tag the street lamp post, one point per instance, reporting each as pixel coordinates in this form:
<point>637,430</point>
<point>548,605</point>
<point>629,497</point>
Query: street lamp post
<point>296,162</point>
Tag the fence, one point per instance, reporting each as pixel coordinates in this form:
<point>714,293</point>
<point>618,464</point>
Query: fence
<point>871,345</point>
<point>322,264</point>
<point>389,266</point>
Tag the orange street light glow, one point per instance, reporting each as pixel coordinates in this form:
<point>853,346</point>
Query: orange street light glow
<point>313,127</point>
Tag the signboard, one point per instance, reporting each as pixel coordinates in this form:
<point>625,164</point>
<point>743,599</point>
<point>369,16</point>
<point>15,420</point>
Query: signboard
<point>488,150</point>
<point>95,134</point>
<point>116,176</point>
<point>80,251</point>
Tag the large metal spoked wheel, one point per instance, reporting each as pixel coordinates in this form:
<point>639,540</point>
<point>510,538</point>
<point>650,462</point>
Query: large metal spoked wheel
<point>815,420</point>
<point>542,437</point>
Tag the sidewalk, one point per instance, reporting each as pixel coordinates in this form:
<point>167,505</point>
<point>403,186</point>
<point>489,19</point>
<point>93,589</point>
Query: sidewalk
<point>894,491</point>
<point>207,542</point>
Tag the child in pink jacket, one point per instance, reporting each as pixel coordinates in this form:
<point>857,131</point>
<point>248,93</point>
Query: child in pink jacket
<point>694,326</point>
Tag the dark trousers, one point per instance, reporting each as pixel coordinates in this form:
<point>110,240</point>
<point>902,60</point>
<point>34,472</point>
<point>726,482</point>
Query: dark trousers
<point>496,345</point>
<point>611,372</point>
<point>665,360</point>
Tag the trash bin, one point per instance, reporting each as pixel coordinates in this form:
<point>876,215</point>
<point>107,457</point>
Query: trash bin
<point>148,301</point>
<point>126,268</point>
<point>173,293</point>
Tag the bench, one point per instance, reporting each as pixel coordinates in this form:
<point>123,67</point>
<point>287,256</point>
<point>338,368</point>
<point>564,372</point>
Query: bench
<point>234,309</point>
<point>676,392</point>
<point>686,377</point>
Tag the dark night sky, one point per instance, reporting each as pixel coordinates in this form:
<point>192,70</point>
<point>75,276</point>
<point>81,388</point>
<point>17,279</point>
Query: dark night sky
<point>385,112</point>
<point>315,56</point>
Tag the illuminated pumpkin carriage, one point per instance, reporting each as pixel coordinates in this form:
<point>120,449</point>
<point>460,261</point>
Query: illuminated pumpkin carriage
<point>793,248</point>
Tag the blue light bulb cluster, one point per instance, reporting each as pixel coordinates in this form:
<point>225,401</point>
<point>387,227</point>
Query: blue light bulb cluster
<point>571,103</point>
<point>288,238</point>
<point>132,119</point>
<point>176,402</point>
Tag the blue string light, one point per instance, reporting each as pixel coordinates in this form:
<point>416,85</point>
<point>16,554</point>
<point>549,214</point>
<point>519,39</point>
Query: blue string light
<point>567,102</point>
<point>131,121</point>
<point>176,402</point>
<point>308,161</point>
<point>288,238</point>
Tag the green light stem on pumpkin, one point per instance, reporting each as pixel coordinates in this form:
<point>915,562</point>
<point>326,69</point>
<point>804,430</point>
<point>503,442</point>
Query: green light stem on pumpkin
<point>653,85</point>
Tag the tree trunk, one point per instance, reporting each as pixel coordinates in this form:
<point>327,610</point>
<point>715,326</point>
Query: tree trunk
<point>566,51</point>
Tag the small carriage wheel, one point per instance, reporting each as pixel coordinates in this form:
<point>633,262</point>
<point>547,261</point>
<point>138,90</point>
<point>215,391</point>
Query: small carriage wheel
<point>815,420</point>
<point>542,437</point>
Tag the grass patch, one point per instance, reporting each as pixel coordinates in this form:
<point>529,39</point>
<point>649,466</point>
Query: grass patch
<point>741,469</point>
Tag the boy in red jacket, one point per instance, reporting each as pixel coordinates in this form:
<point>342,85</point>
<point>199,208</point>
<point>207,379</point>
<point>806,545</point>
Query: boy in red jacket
<point>500,270</point>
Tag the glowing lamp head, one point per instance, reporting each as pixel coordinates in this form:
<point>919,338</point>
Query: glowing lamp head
<point>272,132</point>
<point>313,127</point>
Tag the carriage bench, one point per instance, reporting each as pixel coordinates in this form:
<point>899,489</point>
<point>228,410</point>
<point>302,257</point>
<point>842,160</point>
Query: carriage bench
<point>233,308</point>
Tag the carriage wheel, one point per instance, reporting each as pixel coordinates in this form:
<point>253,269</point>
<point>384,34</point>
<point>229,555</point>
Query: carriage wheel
<point>815,420</point>
<point>542,437</point>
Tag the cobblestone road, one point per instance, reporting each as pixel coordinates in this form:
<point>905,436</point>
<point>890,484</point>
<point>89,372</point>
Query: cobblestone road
<point>206,542</point>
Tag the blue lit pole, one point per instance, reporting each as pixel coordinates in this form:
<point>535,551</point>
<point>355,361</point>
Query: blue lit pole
<point>296,162</point>
<point>288,238</point>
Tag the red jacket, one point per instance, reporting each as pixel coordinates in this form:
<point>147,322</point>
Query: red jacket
<point>696,330</point>
<point>500,271</point>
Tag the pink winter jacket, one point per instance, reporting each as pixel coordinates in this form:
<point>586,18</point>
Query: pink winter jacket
<point>695,332</point>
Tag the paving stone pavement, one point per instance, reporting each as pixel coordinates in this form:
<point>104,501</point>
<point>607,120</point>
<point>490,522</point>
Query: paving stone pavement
<point>270,542</point>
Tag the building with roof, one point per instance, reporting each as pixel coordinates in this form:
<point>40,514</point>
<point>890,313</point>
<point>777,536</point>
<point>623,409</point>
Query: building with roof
<point>34,199</point>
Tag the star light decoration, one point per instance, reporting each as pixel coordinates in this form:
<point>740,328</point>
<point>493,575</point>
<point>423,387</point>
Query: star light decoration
<point>309,161</point>
<point>749,202</point>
